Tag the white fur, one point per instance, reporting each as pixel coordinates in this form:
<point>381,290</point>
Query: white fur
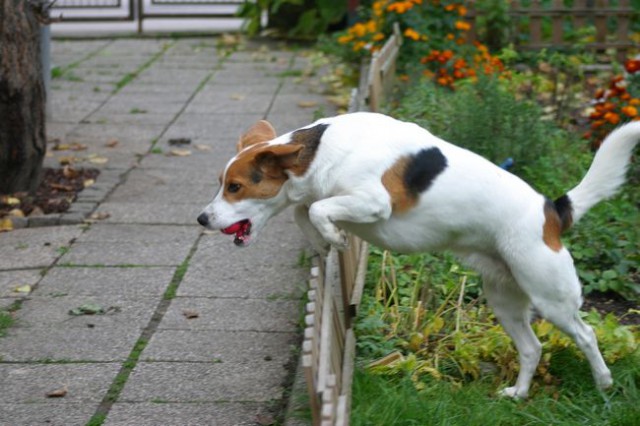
<point>490,218</point>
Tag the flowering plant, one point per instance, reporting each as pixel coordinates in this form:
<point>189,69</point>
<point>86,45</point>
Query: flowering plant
<point>436,31</point>
<point>618,103</point>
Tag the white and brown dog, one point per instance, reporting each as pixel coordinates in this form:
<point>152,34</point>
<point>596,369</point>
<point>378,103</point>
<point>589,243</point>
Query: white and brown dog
<point>399,187</point>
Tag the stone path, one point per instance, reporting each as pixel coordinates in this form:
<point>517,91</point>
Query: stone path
<point>194,330</point>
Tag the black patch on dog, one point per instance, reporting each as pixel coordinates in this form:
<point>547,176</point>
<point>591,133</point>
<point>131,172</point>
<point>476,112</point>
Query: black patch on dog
<point>564,208</point>
<point>310,139</point>
<point>422,169</point>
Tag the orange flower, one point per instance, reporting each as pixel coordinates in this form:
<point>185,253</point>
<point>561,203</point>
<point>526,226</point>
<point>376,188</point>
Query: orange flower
<point>634,102</point>
<point>378,37</point>
<point>612,118</point>
<point>462,11</point>
<point>462,26</point>
<point>400,7</point>
<point>629,111</point>
<point>632,65</point>
<point>449,7</point>
<point>345,39</point>
<point>412,34</point>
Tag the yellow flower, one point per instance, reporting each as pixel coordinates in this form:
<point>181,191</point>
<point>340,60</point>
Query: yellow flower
<point>378,36</point>
<point>345,39</point>
<point>412,34</point>
<point>358,30</point>
<point>358,45</point>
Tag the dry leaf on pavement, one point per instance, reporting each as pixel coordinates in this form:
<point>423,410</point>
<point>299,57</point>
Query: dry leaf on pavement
<point>58,393</point>
<point>190,313</point>
<point>180,152</point>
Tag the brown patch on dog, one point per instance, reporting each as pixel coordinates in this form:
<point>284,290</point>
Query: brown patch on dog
<point>309,139</point>
<point>259,172</point>
<point>393,180</point>
<point>260,132</point>
<point>552,228</point>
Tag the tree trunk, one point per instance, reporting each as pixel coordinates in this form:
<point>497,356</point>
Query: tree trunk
<point>22,98</point>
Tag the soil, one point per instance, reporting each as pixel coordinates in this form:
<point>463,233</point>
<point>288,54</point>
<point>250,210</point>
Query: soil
<point>613,302</point>
<point>58,189</point>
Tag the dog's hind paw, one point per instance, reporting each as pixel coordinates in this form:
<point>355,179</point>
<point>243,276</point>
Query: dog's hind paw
<point>512,392</point>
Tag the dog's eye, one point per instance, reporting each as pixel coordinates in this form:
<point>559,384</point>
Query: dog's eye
<point>233,187</point>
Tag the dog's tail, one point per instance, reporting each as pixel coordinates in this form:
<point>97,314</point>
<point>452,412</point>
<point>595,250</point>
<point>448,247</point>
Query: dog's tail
<point>606,174</point>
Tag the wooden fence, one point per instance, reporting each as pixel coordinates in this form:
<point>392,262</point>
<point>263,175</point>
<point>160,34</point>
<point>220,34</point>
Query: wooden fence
<point>336,284</point>
<point>611,20</point>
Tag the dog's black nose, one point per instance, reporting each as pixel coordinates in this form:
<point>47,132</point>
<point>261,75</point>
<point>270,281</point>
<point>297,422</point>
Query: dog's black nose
<point>203,219</point>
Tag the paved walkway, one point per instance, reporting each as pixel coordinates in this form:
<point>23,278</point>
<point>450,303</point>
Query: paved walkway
<point>195,331</point>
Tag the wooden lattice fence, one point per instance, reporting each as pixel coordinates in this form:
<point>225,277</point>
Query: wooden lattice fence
<point>610,18</point>
<point>336,284</point>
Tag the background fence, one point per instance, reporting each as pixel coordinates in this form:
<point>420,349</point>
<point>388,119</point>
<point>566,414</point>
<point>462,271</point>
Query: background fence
<point>553,24</point>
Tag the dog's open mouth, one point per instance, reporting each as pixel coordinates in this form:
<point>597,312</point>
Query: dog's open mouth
<point>241,229</point>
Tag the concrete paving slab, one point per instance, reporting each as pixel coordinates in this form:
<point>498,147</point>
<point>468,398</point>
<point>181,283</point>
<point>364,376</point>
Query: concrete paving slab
<point>229,103</point>
<point>202,382</point>
<point>98,344</point>
<point>197,192</point>
<point>184,414</point>
<point>203,156</point>
<point>29,383</point>
<point>130,117</point>
<point>101,133</point>
<point>260,349</point>
<point>128,283</point>
<point>34,248</point>
<point>219,270</point>
<point>52,414</point>
<point>132,253</point>
<point>54,311</point>
<point>151,213</point>
<point>233,314</point>
<point>150,234</point>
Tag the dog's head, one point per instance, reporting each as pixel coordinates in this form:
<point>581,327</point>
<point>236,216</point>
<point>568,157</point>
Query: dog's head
<point>251,185</point>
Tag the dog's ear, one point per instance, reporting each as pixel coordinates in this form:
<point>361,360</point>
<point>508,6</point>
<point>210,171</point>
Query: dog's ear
<point>262,131</point>
<point>274,159</point>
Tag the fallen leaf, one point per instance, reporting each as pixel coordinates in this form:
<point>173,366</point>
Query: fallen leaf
<point>23,289</point>
<point>37,211</point>
<point>69,172</point>
<point>190,313</point>
<point>58,393</point>
<point>265,419</point>
<point>61,187</point>
<point>67,160</point>
<point>201,147</point>
<point>6,225</point>
<point>98,160</point>
<point>100,216</point>
<point>87,309</point>
<point>237,97</point>
<point>10,201</point>
<point>16,213</point>
<point>307,104</point>
<point>77,146</point>
<point>112,143</point>
<point>61,146</point>
<point>88,182</point>
<point>180,152</point>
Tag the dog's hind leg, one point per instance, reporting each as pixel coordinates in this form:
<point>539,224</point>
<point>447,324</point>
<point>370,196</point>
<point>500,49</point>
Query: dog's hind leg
<point>512,307</point>
<point>555,292</point>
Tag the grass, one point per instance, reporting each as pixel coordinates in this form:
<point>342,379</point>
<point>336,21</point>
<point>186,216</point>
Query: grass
<point>383,400</point>
<point>6,321</point>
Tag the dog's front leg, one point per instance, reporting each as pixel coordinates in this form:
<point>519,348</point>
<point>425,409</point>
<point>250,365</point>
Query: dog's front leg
<point>301,215</point>
<point>368,208</point>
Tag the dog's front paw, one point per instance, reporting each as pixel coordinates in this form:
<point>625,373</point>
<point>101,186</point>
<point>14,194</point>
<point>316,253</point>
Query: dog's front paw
<point>513,392</point>
<point>335,236</point>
